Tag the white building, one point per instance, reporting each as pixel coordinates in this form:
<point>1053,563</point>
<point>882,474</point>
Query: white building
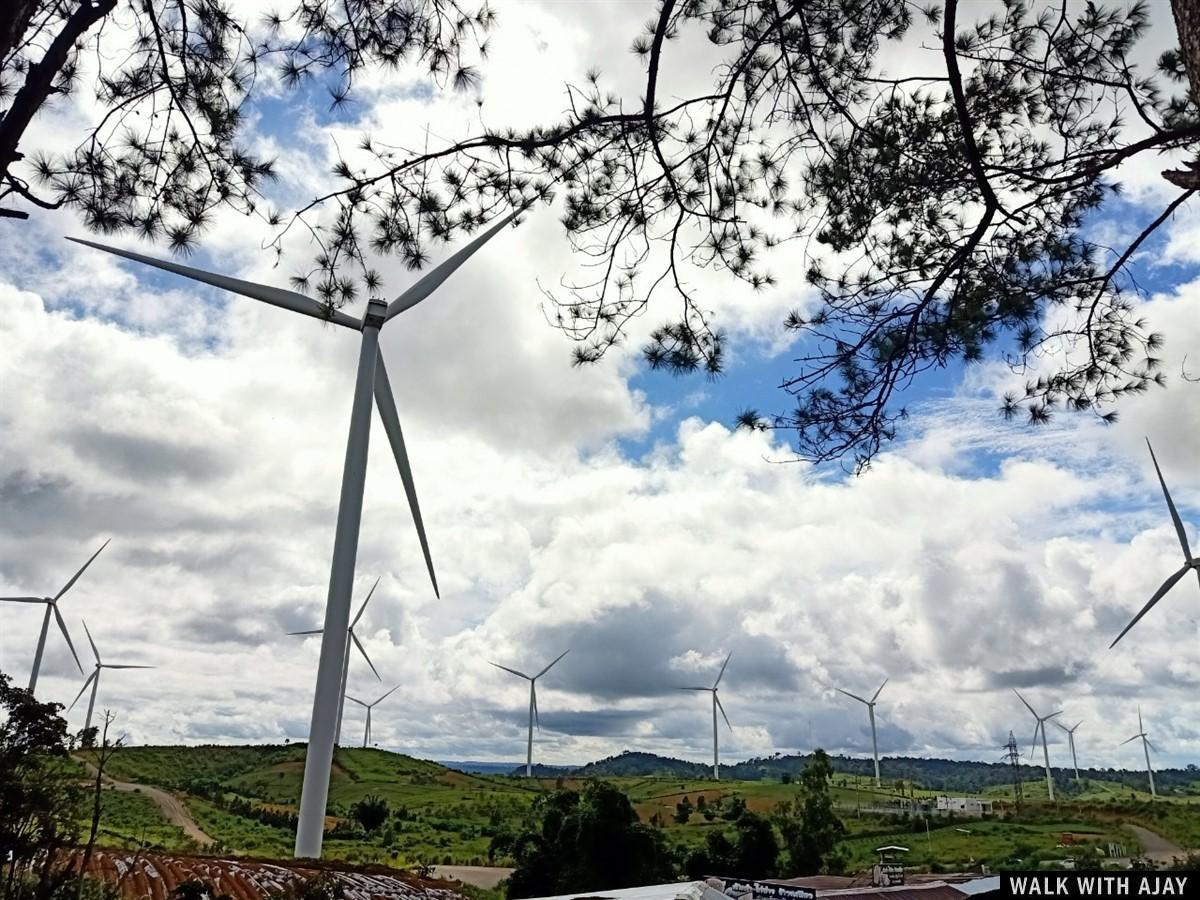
<point>964,806</point>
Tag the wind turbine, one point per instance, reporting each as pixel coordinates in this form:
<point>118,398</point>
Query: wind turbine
<point>1146,748</point>
<point>871,712</point>
<point>350,636</point>
<point>94,678</point>
<point>52,607</point>
<point>533,710</point>
<point>371,378</point>
<point>367,733</point>
<point>1189,562</point>
<point>1071,740</point>
<point>716,704</point>
<point>1041,726</point>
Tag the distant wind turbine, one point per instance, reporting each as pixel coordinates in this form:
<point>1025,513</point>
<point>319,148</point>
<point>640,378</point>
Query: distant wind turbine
<point>369,706</point>
<point>94,678</point>
<point>1189,562</point>
<point>1146,748</point>
<point>534,719</point>
<point>716,704</point>
<point>871,712</point>
<point>1071,740</point>
<point>1041,726</point>
<point>52,607</point>
<point>371,382</point>
<point>350,636</point>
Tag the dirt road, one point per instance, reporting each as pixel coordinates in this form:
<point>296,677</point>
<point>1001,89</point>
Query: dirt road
<point>172,807</point>
<point>1156,847</point>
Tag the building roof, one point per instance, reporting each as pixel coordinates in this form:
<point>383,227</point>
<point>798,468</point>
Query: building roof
<point>687,890</point>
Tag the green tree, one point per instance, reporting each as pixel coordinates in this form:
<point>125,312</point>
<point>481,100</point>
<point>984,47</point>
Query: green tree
<point>586,840</point>
<point>751,852</point>
<point>811,829</point>
<point>370,812</point>
<point>683,810</point>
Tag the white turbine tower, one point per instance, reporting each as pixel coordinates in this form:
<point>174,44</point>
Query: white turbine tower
<point>1071,741</point>
<point>1146,748</point>
<point>94,678</point>
<point>870,704</point>
<point>1041,726</point>
<point>371,378</point>
<point>52,607</point>
<point>350,636</point>
<point>716,704</point>
<point>1189,562</point>
<point>369,707</point>
<point>533,710</point>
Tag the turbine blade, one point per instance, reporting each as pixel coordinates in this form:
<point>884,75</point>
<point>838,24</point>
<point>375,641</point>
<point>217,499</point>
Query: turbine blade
<point>1053,714</point>
<point>22,599</point>
<point>722,709</point>
<point>1033,748</point>
<point>265,293</point>
<point>356,700</point>
<point>693,689</point>
<point>386,403</point>
<point>549,667</point>
<point>385,696</point>
<point>95,652</point>
<point>317,631</point>
<point>721,674</point>
<point>1134,738</point>
<point>434,279</point>
<point>115,666</point>
<point>1151,744</point>
<point>855,696</point>
<point>1158,595</point>
<point>1063,727</point>
<point>507,669</point>
<point>537,720</point>
<point>1183,541</point>
<point>86,682</point>
<point>362,609</point>
<point>878,692</point>
<point>62,626</point>
<point>1141,727</point>
<point>1026,702</point>
<point>82,569</point>
<point>363,651</point>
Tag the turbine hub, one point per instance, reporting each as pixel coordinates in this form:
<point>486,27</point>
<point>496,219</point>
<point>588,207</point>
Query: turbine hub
<point>376,313</point>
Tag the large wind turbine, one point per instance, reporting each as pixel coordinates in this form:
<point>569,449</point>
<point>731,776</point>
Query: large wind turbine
<point>1146,748</point>
<point>871,712</point>
<point>94,678</point>
<point>1041,726</point>
<point>716,704</point>
<point>52,607</point>
<point>1071,740</point>
<point>1189,562</point>
<point>369,706</point>
<point>350,636</point>
<point>371,378</point>
<point>533,710</point>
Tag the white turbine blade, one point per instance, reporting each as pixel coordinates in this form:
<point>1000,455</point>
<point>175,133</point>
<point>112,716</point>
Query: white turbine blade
<point>385,696</point>
<point>62,626</point>
<point>537,720</point>
<point>721,674</point>
<point>86,682</point>
<point>362,609</point>
<point>1026,702</point>
<point>359,702</point>
<point>267,294</point>
<point>95,652</point>
<point>1158,595</point>
<point>385,402</point>
<point>1064,727</point>
<point>316,631</point>
<point>22,599</point>
<point>1151,745</point>
<point>1076,725</point>
<point>855,696</point>
<point>1053,714</point>
<point>363,651</point>
<point>878,692</point>
<point>434,279</point>
<point>116,666</point>
<point>1183,541</point>
<point>1141,727</point>
<point>75,577</point>
<point>722,709</point>
<point>507,669</point>
<point>693,689</point>
<point>549,667</point>
<point>1033,748</point>
<point>1134,738</point>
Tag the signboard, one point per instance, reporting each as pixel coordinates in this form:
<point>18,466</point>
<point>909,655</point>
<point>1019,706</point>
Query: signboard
<point>744,889</point>
<point>887,875</point>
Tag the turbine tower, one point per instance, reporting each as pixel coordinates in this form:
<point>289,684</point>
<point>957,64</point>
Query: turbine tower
<point>1041,726</point>
<point>1071,740</point>
<point>533,710</point>
<point>716,704</point>
<point>1146,748</point>
<point>871,712</point>
<point>350,636</point>
<point>1189,562</point>
<point>371,378</point>
<point>94,678</point>
<point>369,706</point>
<point>52,607</point>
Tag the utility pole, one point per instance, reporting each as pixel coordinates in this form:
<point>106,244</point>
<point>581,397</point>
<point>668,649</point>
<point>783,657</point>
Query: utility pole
<point>1014,758</point>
